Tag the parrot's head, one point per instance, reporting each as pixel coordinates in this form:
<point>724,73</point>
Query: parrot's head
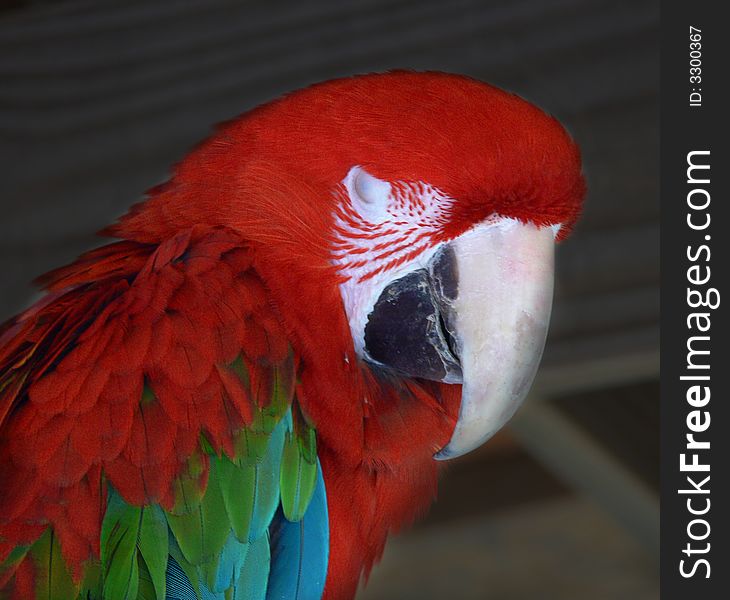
<point>436,201</point>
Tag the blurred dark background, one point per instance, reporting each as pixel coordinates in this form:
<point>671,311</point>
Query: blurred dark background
<point>99,97</point>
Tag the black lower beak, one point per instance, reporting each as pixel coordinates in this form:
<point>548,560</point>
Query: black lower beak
<point>410,328</point>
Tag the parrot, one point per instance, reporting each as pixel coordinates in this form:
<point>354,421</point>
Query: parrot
<point>257,381</point>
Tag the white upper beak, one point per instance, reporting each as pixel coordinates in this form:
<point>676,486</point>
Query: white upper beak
<point>501,316</point>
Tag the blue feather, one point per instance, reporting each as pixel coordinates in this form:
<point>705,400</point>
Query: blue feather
<point>300,551</point>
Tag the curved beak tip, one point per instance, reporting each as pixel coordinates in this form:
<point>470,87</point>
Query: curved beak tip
<point>501,315</point>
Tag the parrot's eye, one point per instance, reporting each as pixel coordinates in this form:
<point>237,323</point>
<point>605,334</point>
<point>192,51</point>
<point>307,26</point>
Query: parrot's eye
<point>368,195</point>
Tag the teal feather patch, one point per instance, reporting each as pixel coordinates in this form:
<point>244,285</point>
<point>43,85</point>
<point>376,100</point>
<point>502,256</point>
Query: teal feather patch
<point>223,572</point>
<point>254,578</point>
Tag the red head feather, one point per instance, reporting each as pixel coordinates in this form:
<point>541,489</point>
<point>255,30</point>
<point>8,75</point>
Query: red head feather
<point>277,165</point>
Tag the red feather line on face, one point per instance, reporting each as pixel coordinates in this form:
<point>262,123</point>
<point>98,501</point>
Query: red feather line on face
<point>410,227</point>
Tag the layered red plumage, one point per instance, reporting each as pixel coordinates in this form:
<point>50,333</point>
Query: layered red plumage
<point>86,359</point>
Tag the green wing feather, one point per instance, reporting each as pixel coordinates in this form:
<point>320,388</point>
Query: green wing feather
<point>237,485</point>
<point>119,549</point>
<point>91,585</point>
<point>298,474</point>
<point>147,590</point>
<point>202,532</point>
<point>188,486</point>
<point>153,548</point>
<point>52,579</point>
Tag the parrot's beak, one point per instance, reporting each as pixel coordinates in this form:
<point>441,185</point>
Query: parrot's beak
<point>499,321</point>
<point>475,313</point>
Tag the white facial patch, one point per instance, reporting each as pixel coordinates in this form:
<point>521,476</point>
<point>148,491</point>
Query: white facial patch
<point>383,231</point>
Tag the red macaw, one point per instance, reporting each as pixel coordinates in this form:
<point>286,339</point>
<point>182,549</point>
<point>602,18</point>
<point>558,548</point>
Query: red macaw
<point>245,394</point>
